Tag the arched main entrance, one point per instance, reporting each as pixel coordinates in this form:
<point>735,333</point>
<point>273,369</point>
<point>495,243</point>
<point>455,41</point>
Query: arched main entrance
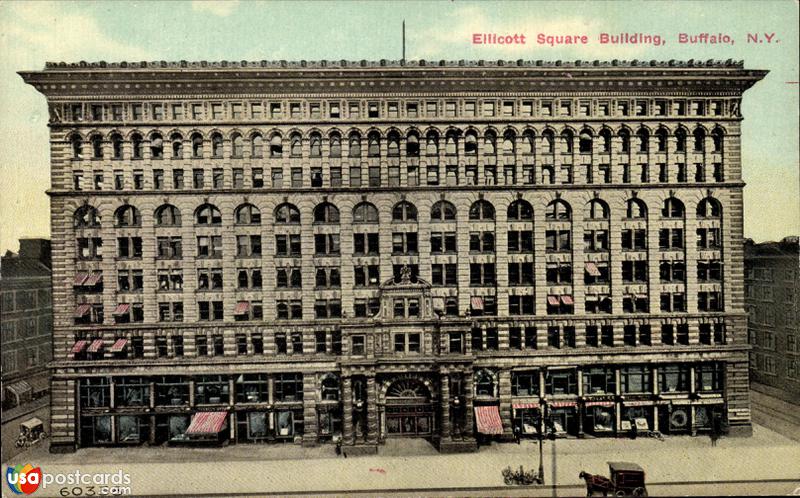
<point>408,409</point>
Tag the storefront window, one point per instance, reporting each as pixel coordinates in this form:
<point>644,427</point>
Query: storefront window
<point>211,389</point>
<point>674,378</point>
<point>252,388</point>
<point>708,377</point>
<point>330,388</point>
<point>170,426</point>
<point>600,418</point>
<point>285,425</point>
<point>561,382</point>
<point>131,391</point>
<point>599,381</point>
<point>525,383</point>
<point>635,379</point>
<point>172,391</point>
<point>132,429</point>
<point>96,430</point>
<point>330,423</point>
<point>95,392</point>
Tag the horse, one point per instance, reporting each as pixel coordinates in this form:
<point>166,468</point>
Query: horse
<point>596,483</point>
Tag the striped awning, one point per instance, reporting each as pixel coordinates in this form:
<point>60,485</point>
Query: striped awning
<point>525,406</point>
<point>562,404</point>
<point>552,300</point>
<point>80,278</point>
<point>592,269</point>
<point>598,403</point>
<point>476,302</point>
<point>119,345</point>
<point>94,279</point>
<point>488,420</point>
<point>207,422</point>
<point>122,309</point>
<point>82,310</point>
<point>79,346</point>
<point>567,299</point>
<point>95,346</point>
<point>242,308</point>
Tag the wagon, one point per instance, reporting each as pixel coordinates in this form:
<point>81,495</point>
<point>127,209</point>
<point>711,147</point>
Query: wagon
<point>30,432</point>
<point>627,479</point>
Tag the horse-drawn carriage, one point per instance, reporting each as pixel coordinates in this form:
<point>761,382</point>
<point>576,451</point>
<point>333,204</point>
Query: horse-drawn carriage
<point>30,432</point>
<point>627,479</point>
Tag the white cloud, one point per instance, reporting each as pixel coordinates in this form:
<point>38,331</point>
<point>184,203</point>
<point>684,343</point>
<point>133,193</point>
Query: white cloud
<point>220,8</point>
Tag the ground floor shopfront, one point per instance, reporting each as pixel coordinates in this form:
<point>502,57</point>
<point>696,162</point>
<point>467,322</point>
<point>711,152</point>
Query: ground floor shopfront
<point>452,404</point>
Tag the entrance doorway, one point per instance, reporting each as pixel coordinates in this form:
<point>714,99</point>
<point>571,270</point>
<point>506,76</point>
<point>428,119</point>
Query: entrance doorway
<point>408,410</point>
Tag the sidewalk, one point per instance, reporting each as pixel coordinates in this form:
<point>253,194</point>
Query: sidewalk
<point>279,469</point>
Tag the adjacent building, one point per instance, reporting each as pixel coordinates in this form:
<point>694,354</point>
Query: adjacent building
<point>772,286</point>
<point>304,251</point>
<point>26,322</point>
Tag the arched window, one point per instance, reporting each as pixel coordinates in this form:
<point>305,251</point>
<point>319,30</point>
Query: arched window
<point>354,149</point>
<point>470,143</point>
<point>717,135</point>
<point>699,140</point>
<point>373,145</point>
<point>451,144</point>
<point>296,145</point>
<point>257,145</point>
<point>598,210</point>
<point>508,143</point>
<point>127,216</point>
<point>558,210</point>
<point>549,141</point>
<point>526,145</point>
<point>315,145</point>
<point>276,145</point>
<point>443,211</point>
<point>247,214</point>
<point>329,388</point>
<point>177,145</point>
<point>412,145</point>
<point>136,146</point>
<point>636,209</point>
<point>489,144</point>
<point>709,208</point>
<point>156,146</point>
<point>237,145</point>
<point>197,145</point>
<point>208,214</point>
<point>287,213</point>
<point>432,144</point>
<point>481,210</point>
<point>77,147</point>
<point>484,383</point>
<point>393,144</point>
<point>97,147</point>
<point>116,146</point>
<point>605,136</point>
<point>520,210</point>
<point>326,212</point>
<point>673,208</point>
<point>569,140</point>
<point>365,213</point>
<point>336,145</point>
<point>404,211</point>
<point>216,145</point>
<point>661,140</point>
<point>168,216</point>
<point>644,138</point>
<point>680,140</point>
<point>86,217</point>
<point>625,140</point>
<point>585,141</point>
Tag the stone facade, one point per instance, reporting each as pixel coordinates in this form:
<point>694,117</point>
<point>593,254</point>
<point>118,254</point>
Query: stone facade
<point>377,249</point>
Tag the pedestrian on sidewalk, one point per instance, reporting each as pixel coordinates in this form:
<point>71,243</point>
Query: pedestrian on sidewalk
<point>516,434</point>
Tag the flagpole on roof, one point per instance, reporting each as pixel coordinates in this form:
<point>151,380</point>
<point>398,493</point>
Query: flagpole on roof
<point>404,41</point>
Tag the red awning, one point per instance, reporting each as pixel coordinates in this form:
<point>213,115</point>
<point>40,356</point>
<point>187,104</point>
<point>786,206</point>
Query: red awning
<point>79,346</point>
<point>525,406</point>
<point>598,403</point>
<point>80,278</point>
<point>592,270</point>
<point>562,404</point>
<point>96,346</point>
<point>476,302</point>
<point>82,310</point>
<point>122,309</point>
<point>207,422</point>
<point>552,300</point>
<point>567,300</point>
<point>488,420</point>
<point>94,279</point>
<point>242,308</point>
<point>119,345</point>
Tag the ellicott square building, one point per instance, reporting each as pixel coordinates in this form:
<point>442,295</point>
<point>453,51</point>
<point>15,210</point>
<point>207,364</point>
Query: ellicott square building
<point>266,252</point>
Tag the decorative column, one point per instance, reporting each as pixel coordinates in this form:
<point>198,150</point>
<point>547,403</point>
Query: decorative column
<point>444,400</point>
<point>504,394</point>
<point>310,409</point>
<point>372,410</point>
<point>469,414</point>
<point>348,436</point>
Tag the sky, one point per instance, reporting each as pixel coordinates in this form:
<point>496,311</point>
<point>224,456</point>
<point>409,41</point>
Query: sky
<point>32,33</point>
